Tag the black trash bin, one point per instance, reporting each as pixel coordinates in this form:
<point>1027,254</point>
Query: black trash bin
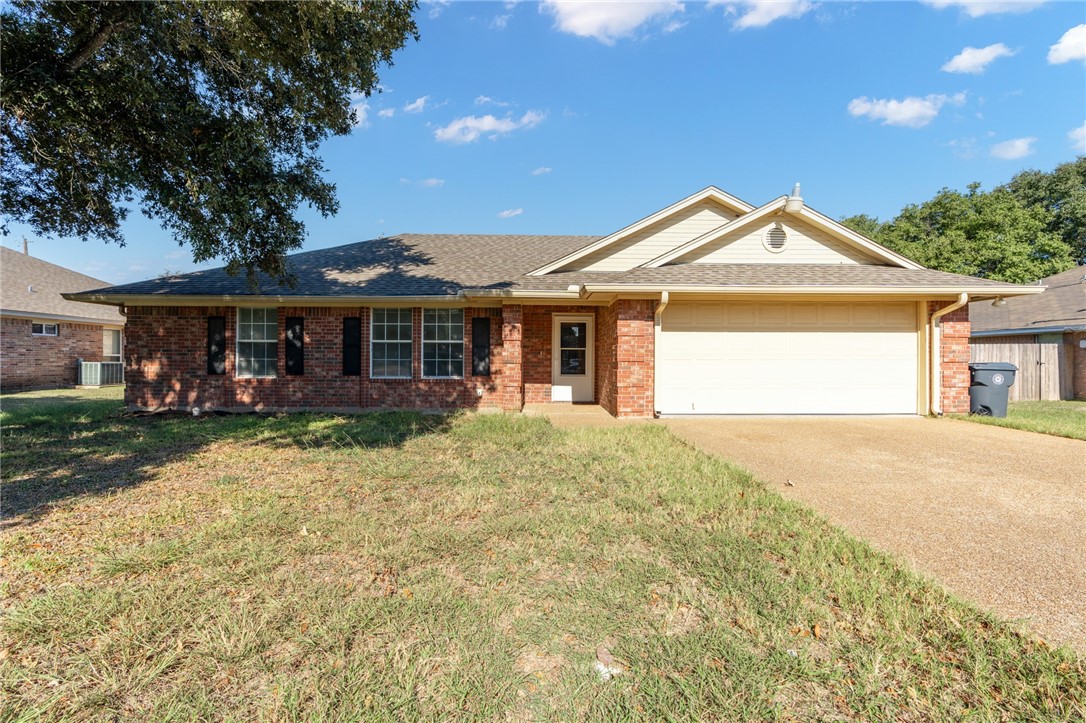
<point>988,387</point>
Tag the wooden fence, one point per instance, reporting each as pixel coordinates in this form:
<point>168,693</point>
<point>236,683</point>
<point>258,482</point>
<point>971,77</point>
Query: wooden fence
<point>1044,370</point>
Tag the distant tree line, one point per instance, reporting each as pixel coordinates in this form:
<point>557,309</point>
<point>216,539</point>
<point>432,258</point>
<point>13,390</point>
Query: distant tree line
<point>1032,227</point>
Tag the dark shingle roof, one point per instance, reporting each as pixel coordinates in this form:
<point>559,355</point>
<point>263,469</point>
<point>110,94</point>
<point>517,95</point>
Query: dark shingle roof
<point>441,265</point>
<point>1062,304</point>
<point>32,287</point>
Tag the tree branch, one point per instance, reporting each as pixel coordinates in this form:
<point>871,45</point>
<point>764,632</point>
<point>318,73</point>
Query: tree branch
<point>85,52</point>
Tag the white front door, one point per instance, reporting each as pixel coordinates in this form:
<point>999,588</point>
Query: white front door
<point>572,373</point>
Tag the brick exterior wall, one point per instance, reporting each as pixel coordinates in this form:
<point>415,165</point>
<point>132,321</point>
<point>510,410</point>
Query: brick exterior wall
<point>954,362</point>
<point>635,358</point>
<point>538,343</point>
<point>41,362</point>
<point>1078,363</point>
<point>166,366</point>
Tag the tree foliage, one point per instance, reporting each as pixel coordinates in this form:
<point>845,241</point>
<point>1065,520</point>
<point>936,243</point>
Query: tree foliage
<point>1027,229</point>
<point>206,115</point>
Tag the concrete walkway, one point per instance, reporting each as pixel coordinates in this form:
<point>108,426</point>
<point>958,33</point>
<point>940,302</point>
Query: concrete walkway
<point>997,515</point>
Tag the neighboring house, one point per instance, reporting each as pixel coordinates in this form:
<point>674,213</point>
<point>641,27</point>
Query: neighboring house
<point>1044,336</point>
<point>42,334</point>
<point>709,306</point>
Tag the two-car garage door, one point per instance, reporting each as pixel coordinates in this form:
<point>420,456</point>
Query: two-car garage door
<point>847,357</point>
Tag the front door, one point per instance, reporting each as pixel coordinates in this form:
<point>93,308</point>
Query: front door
<point>572,375</point>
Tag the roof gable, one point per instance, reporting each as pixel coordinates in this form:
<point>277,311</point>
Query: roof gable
<point>1062,305</point>
<point>676,216</point>
<point>844,244</point>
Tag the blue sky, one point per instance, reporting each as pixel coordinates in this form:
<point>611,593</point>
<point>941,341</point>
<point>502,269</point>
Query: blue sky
<point>561,118</point>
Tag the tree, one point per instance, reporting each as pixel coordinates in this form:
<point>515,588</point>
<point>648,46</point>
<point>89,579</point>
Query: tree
<point>207,115</point>
<point>865,225</point>
<point>988,235</point>
<point>1062,195</point>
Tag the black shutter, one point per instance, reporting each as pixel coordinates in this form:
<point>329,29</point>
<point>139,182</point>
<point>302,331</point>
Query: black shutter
<point>480,346</point>
<point>295,329</point>
<point>352,346</point>
<point>216,345</point>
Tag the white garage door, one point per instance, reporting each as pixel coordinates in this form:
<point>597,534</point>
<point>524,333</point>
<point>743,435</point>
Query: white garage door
<point>787,358</point>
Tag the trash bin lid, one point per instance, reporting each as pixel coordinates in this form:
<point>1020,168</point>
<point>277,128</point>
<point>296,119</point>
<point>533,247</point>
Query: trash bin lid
<point>993,367</point>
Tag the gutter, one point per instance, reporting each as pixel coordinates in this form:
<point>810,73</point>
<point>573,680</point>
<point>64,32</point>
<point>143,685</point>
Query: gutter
<point>980,292</point>
<point>1025,330</point>
<point>935,402</point>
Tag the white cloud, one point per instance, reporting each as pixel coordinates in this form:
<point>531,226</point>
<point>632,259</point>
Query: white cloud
<point>911,112</point>
<point>387,112</point>
<point>542,170</point>
<point>964,148</point>
<point>487,100</point>
<point>976,60</point>
<point>759,13</point>
<point>674,25</point>
<point>432,182</point>
<point>417,105</point>
<point>1072,46</point>
<point>361,114</point>
<point>469,128</point>
<point>510,212</point>
<point>977,8</point>
<point>436,7</point>
<point>608,21</point>
<point>1077,136</point>
<point>1014,148</point>
<point>500,22</point>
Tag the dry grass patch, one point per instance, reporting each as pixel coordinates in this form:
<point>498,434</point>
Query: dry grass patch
<point>397,566</point>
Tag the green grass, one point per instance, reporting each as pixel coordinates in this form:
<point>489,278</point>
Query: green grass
<point>73,401</point>
<point>1060,419</point>
<point>394,566</point>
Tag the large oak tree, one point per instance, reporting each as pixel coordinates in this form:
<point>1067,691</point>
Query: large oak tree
<point>205,115</point>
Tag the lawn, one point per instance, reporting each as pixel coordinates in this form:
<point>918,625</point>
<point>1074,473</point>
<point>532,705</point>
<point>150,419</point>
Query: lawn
<point>1061,419</point>
<point>395,566</point>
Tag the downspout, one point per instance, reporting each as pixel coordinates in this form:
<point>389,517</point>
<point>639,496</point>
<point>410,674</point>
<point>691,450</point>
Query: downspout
<point>935,403</point>
<point>657,325</point>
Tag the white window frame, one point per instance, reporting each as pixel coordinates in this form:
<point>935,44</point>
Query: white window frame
<point>410,337</point>
<point>435,342</point>
<point>44,325</point>
<point>238,341</point>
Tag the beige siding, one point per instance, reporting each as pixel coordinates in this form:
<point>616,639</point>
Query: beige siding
<point>657,239</point>
<point>805,245</point>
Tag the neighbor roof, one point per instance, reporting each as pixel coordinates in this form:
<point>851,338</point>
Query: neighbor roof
<point>430,265</point>
<point>1061,307</point>
<point>32,288</point>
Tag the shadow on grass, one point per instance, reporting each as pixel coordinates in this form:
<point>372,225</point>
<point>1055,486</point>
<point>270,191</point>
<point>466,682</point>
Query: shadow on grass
<point>51,454</point>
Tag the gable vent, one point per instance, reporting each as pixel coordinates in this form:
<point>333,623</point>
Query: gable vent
<point>775,238</point>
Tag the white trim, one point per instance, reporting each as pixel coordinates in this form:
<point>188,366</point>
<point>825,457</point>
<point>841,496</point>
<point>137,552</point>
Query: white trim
<point>43,324</point>
<point>846,234</point>
<point>711,192</point>
<point>775,226</point>
<point>33,315</point>
<point>411,341</point>
<point>589,377</point>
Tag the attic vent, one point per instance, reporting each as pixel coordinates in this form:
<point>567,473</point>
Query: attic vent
<point>775,238</point>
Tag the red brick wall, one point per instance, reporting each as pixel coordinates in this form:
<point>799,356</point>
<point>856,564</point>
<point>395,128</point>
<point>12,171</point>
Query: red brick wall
<point>29,362</point>
<point>954,364</point>
<point>511,358</point>
<point>635,358</point>
<point>607,358</point>
<point>166,366</point>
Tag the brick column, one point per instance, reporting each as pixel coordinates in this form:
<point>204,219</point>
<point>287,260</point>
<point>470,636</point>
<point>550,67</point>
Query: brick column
<point>512,372</point>
<point>635,358</point>
<point>954,361</point>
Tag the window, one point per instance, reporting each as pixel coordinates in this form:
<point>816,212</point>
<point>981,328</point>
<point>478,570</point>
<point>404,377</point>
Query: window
<point>111,345</point>
<point>390,344</point>
<point>442,342</point>
<point>44,329</point>
<point>258,342</point>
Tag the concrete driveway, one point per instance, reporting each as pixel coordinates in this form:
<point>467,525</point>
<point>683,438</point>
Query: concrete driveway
<point>997,515</point>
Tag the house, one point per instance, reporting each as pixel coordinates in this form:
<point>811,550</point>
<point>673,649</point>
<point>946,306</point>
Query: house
<point>1044,336</point>
<point>708,306</point>
<point>42,334</point>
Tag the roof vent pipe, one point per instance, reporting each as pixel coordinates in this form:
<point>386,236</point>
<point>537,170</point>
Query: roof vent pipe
<point>794,204</point>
